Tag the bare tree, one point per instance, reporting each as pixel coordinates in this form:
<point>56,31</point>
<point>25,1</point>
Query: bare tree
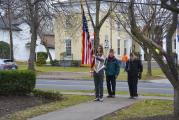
<point>34,12</point>
<point>9,6</point>
<point>46,24</point>
<point>167,4</point>
<point>97,22</point>
<point>155,20</point>
<point>165,58</point>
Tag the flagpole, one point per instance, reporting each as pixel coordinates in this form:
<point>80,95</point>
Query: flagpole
<point>82,49</point>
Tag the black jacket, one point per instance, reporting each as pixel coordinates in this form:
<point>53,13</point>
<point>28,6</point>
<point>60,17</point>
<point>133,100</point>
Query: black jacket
<point>134,67</point>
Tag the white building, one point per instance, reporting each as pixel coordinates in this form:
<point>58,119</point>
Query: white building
<point>21,40</point>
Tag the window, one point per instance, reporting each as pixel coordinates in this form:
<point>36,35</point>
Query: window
<point>68,21</point>
<point>68,47</point>
<point>125,46</point>
<point>118,26</point>
<point>118,47</point>
<point>175,44</point>
<point>106,42</point>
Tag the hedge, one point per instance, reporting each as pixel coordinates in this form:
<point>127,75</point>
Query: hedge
<point>40,61</point>
<point>17,82</point>
<point>41,58</point>
<point>44,54</point>
<point>4,50</point>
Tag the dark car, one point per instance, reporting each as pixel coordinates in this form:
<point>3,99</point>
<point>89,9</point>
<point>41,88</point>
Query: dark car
<point>7,64</point>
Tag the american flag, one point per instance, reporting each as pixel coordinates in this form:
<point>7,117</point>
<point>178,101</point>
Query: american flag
<point>86,43</point>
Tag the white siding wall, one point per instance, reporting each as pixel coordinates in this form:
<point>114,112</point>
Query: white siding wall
<point>20,38</point>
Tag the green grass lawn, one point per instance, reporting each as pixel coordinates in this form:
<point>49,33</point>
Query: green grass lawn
<point>69,100</point>
<point>141,109</point>
<point>157,73</point>
<point>56,69</point>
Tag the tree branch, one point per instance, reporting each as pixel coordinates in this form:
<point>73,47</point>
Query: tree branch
<point>169,7</point>
<point>107,14</point>
<point>89,13</point>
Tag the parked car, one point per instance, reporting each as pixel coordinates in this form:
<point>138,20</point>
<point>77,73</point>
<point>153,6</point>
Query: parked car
<point>7,64</point>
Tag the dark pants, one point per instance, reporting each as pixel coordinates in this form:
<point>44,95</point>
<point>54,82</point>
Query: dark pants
<point>132,82</point>
<point>111,84</point>
<point>98,82</point>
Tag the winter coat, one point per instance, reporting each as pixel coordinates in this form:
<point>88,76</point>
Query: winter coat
<point>112,67</point>
<point>134,68</point>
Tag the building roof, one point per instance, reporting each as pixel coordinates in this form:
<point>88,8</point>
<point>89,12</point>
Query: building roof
<point>49,40</point>
<point>5,26</point>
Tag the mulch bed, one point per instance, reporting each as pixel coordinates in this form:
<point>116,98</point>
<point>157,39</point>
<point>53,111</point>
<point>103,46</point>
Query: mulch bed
<point>164,117</point>
<point>11,104</point>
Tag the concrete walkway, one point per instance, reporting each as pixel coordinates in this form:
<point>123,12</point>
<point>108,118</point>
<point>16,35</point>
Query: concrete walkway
<point>93,110</point>
<point>88,111</point>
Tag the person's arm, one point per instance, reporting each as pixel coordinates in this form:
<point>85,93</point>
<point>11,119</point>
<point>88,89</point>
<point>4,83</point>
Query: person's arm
<point>117,68</point>
<point>101,59</point>
<point>140,66</point>
<point>127,65</point>
<point>93,63</point>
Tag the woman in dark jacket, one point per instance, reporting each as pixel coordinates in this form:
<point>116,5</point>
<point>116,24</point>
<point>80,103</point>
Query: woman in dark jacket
<point>112,71</point>
<point>134,70</point>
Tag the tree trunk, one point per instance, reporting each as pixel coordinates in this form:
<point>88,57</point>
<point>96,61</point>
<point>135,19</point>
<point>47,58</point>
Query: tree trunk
<point>11,45</point>
<point>176,102</point>
<point>148,58</point>
<point>49,54</point>
<point>31,60</point>
<point>10,32</point>
<point>149,64</point>
<point>96,38</point>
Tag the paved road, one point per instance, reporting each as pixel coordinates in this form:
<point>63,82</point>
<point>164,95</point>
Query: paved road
<point>144,87</point>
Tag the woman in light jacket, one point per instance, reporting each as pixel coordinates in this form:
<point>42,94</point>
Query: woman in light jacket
<point>98,74</point>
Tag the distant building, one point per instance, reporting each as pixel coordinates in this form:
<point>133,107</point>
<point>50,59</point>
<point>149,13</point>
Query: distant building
<point>68,31</point>
<point>22,38</point>
<point>68,36</point>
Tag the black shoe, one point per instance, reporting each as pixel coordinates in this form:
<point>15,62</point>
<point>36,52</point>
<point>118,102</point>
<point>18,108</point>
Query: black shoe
<point>131,97</point>
<point>96,99</point>
<point>136,95</point>
<point>109,96</point>
<point>101,99</point>
<point>113,96</point>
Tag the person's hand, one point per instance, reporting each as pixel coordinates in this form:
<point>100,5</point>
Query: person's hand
<point>140,76</point>
<point>94,56</point>
<point>91,72</point>
<point>116,76</point>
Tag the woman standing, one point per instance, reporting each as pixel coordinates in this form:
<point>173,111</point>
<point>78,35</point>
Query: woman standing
<point>134,70</point>
<point>98,74</point>
<point>112,71</point>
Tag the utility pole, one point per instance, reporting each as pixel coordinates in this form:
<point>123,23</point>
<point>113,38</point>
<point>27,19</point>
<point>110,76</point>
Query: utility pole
<point>10,31</point>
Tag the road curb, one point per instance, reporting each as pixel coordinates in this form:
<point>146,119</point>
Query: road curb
<point>76,79</point>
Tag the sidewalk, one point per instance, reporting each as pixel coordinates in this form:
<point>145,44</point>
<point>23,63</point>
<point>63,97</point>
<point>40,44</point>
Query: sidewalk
<point>88,111</point>
<point>166,81</point>
<point>93,110</point>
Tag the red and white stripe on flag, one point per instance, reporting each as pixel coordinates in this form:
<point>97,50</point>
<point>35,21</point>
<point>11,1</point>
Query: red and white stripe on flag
<point>86,50</point>
<point>86,44</point>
